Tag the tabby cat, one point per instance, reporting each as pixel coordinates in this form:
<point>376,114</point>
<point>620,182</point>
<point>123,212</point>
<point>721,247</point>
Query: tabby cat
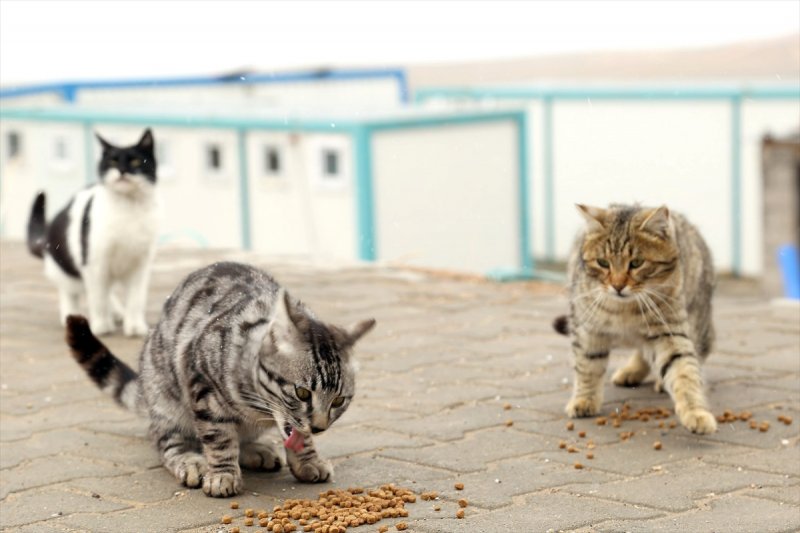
<point>640,278</point>
<point>104,239</point>
<point>232,355</point>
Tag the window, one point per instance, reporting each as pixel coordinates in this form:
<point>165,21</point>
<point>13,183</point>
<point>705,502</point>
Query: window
<point>330,163</point>
<point>14,144</point>
<point>214,157</point>
<point>272,161</point>
<point>60,152</point>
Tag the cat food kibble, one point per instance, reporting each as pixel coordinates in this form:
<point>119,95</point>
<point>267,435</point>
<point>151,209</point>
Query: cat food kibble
<point>562,445</point>
<point>570,426</point>
<point>572,449</point>
<point>462,502</point>
<point>249,513</point>
<point>227,519</point>
<point>509,423</point>
<point>460,514</point>
<point>234,529</point>
<point>657,445</point>
<point>234,505</point>
<point>400,526</point>
<point>459,486</point>
<point>382,529</point>
<point>248,521</point>
<point>764,427</point>
<point>507,406</point>
<point>582,434</point>
<point>578,466</point>
<point>590,455</point>
<point>601,421</point>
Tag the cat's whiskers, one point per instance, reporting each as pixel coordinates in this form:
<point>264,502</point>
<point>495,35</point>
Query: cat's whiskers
<point>636,296</point>
<point>651,305</point>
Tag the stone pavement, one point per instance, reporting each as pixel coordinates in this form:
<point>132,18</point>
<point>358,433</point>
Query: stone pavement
<point>447,354</point>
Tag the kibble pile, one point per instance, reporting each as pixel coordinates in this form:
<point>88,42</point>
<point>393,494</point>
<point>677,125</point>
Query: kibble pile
<point>334,511</point>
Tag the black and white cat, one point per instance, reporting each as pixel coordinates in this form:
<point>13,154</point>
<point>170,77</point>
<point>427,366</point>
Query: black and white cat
<point>103,241</point>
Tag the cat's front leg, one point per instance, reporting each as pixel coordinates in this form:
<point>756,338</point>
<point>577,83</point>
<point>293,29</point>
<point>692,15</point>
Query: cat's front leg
<point>133,320</point>
<point>590,359</point>
<point>307,466</point>
<point>98,296</point>
<point>218,432</point>
<point>679,369</point>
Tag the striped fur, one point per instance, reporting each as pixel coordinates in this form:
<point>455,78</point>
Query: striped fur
<point>224,364</point>
<point>640,278</point>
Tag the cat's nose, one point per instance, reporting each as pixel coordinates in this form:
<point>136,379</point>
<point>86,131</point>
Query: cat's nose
<point>619,288</point>
<point>315,430</point>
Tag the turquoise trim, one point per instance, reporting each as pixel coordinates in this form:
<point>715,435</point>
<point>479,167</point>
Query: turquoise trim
<point>526,254</point>
<point>365,199</point>
<point>244,190</point>
<point>767,92</point>
<point>549,179</point>
<point>736,185</point>
<point>69,90</point>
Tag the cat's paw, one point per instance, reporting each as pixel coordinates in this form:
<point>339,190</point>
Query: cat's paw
<point>190,470</point>
<point>582,406</point>
<point>259,456</point>
<point>102,327</point>
<point>628,376</point>
<point>698,421</point>
<point>135,328</point>
<point>658,386</point>
<point>222,484</point>
<point>314,471</point>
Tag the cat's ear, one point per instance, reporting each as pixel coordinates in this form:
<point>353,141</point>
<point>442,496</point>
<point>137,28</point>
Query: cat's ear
<point>358,330</point>
<point>595,216</point>
<point>286,324</point>
<point>656,221</point>
<point>104,143</point>
<point>146,141</point>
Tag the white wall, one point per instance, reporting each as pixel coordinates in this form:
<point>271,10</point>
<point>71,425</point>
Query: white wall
<point>297,211</point>
<point>38,167</point>
<point>446,197</point>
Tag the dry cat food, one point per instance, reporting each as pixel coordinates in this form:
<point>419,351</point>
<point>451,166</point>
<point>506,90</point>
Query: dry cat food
<point>507,406</point>
<point>562,444</point>
<point>462,502</point>
<point>582,434</point>
<point>786,419</point>
<point>578,466</point>
<point>509,423</point>
<point>460,513</point>
<point>590,455</point>
<point>234,505</point>
<point>400,526</point>
<point>657,445</point>
<point>335,511</point>
<point>459,486</point>
<point>432,495</point>
<point>763,427</point>
<point>570,426</point>
<point>383,529</point>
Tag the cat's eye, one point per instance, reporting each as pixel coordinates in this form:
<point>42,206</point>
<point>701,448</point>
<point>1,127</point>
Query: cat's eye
<point>302,394</point>
<point>338,402</point>
<point>636,263</point>
<point>136,163</point>
<point>603,263</point>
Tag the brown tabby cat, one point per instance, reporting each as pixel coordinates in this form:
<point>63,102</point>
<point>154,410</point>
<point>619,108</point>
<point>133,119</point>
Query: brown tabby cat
<point>640,278</point>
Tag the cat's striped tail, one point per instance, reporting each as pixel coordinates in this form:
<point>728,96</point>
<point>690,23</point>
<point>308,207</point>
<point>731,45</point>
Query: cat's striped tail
<point>109,373</point>
<point>37,226</point>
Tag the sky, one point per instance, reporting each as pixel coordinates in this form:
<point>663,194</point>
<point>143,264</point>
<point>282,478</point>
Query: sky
<point>44,41</point>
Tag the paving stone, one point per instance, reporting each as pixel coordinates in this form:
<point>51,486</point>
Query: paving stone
<point>474,452</point>
<point>539,512</point>
<point>435,374</point>
<point>677,487</point>
<point>732,514</point>
<point>504,480</point>
<point>53,469</point>
<point>28,508</point>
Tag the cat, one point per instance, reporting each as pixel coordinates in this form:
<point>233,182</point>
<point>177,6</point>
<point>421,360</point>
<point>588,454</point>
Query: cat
<point>232,355</point>
<point>641,278</point>
<point>104,239</point>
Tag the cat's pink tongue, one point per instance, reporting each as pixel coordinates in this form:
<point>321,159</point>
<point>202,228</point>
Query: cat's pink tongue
<point>295,441</point>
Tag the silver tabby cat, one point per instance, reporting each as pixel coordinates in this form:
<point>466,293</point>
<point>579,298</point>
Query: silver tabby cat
<point>232,356</point>
<point>640,278</point>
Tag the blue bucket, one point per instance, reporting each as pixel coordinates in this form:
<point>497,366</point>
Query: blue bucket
<point>789,262</point>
